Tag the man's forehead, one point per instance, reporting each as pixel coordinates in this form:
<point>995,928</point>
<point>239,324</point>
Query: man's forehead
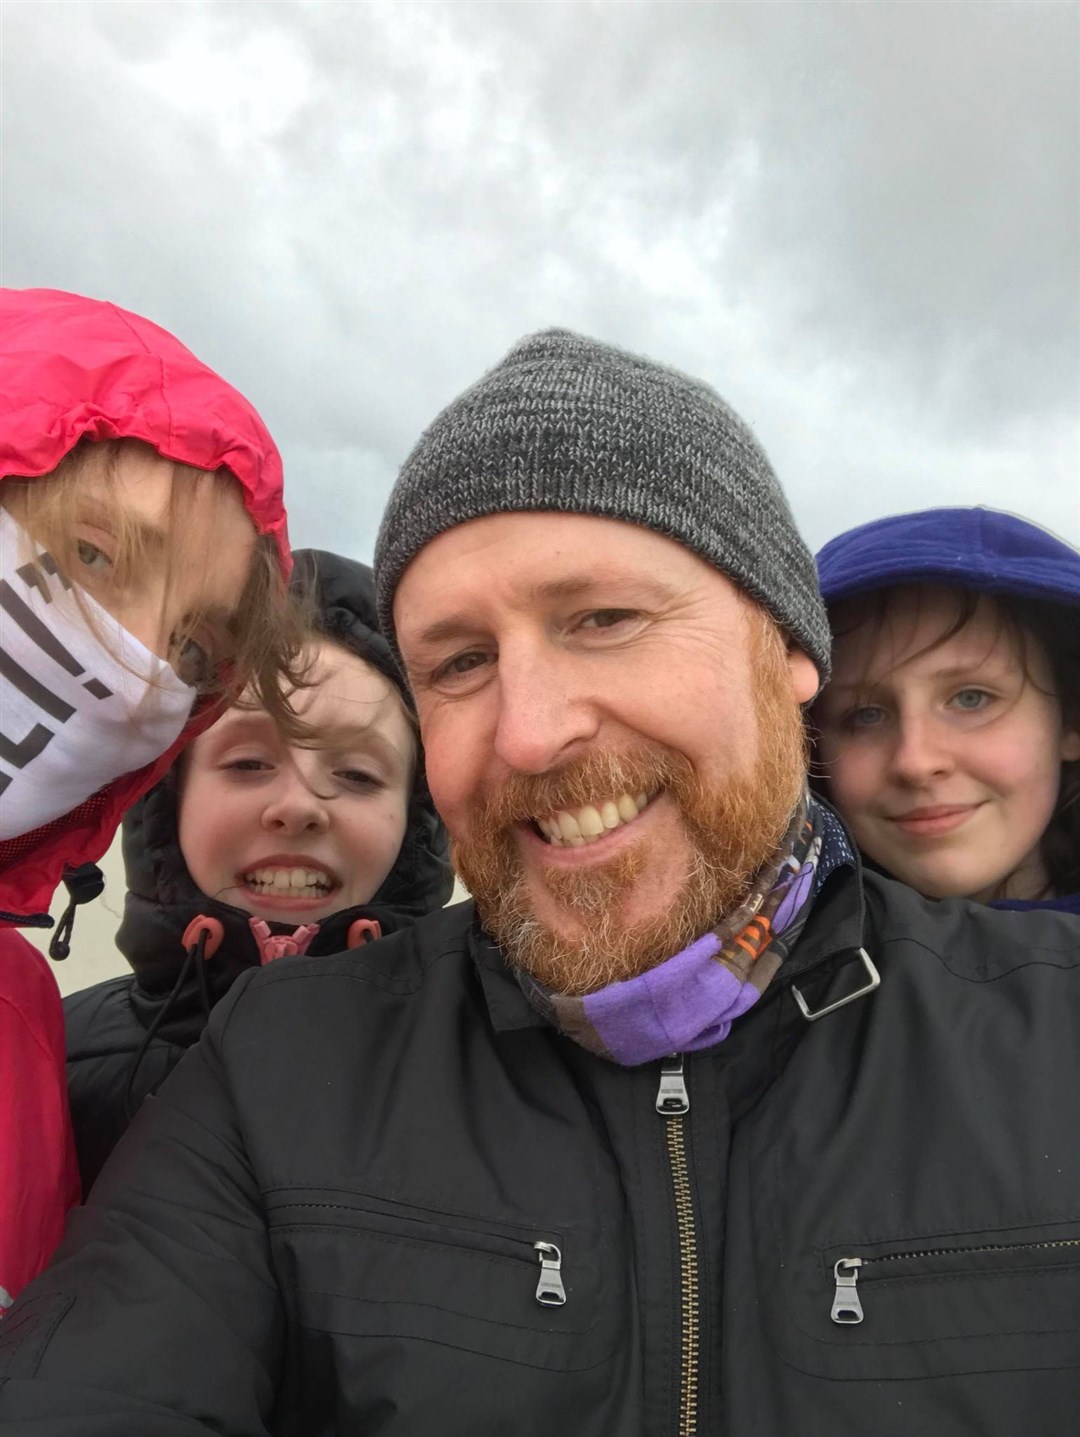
<point>528,540</point>
<point>528,560</point>
<point>551,525</point>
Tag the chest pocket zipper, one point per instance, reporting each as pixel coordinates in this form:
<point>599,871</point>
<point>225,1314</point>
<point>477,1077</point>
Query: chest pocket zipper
<point>550,1291</point>
<point>847,1308</point>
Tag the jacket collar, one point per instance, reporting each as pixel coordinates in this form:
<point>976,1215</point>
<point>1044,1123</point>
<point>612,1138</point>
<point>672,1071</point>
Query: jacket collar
<point>837,923</point>
<point>507,1005</point>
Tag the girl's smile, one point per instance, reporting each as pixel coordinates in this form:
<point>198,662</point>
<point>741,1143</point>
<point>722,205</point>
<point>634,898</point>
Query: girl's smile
<point>934,821</point>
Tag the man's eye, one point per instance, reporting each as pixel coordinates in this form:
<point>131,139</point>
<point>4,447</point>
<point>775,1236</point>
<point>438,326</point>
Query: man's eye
<point>460,665</point>
<point>191,663</point>
<point>246,765</point>
<point>94,558</point>
<point>606,618</point>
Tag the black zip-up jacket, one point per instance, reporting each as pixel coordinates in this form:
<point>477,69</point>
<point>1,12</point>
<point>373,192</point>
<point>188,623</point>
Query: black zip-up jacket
<point>350,1209</point>
<point>124,1036</point>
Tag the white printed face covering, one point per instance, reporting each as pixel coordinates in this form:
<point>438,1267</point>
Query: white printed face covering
<point>74,715</point>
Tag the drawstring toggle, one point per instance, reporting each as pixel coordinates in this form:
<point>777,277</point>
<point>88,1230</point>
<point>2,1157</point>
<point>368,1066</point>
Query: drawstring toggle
<point>84,883</point>
<point>363,930</point>
<point>204,934</point>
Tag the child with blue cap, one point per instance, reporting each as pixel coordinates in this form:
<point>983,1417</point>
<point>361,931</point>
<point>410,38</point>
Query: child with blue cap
<point>949,736</point>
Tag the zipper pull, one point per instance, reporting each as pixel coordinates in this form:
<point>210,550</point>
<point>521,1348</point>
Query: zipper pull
<point>549,1290</point>
<point>846,1307</point>
<point>672,1098</point>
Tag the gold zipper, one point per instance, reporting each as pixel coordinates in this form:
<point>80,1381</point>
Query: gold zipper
<point>673,1103</point>
<point>847,1308</point>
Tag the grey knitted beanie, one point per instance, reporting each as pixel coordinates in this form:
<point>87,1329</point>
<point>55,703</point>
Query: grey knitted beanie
<point>565,423</point>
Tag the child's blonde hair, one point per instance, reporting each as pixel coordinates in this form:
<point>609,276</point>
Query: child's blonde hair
<point>265,632</point>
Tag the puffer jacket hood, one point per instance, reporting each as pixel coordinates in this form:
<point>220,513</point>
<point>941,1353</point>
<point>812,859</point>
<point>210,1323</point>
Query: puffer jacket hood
<point>163,899</point>
<point>74,368</point>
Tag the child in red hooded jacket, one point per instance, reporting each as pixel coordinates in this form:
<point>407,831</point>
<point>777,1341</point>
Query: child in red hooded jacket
<point>143,554</point>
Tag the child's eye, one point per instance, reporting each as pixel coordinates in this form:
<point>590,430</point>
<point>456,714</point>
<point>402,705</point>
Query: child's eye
<point>247,765</point>
<point>191,662</point>
<point>865,716</point>
<point>359,778</point>
<point>971,700</point>
<point>95,559</point>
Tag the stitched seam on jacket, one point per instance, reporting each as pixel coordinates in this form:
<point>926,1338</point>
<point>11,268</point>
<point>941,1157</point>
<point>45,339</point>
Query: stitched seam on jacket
<point>527,1229</point>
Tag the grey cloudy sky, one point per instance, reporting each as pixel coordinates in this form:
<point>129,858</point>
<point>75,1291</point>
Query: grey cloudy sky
<point>860,222</point>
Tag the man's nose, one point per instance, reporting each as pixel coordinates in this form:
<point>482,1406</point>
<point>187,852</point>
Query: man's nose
<point>547,712</point>
<point>922,750</point>
<point>295,806</point>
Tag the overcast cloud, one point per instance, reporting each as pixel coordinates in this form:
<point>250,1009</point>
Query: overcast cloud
<point>860,222</point>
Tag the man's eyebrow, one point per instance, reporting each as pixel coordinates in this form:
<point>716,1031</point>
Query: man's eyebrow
<point>577,586</point>
<point>454,626</point>
<point>572,586</point>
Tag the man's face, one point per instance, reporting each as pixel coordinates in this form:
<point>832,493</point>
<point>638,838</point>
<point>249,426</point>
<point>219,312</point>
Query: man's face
<point>612,734</point>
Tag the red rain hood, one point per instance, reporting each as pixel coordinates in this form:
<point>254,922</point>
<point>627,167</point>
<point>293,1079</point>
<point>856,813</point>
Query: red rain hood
<point>71,367</point>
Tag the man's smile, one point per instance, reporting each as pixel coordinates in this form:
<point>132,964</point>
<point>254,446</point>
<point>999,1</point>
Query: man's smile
<point>579,827</point>
<point>539,846</point>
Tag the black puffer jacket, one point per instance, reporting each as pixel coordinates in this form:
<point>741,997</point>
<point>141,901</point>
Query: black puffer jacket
<point>109,1072</point>
<point>326,1224</point>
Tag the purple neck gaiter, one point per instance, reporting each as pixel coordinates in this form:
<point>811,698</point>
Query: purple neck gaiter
<point>690,1000</point>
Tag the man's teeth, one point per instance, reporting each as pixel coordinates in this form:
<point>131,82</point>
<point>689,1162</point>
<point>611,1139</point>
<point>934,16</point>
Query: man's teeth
<point>296,882</point>
<point>585,825</point>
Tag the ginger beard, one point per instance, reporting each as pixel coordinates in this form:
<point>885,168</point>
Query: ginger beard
<point>733,830</point>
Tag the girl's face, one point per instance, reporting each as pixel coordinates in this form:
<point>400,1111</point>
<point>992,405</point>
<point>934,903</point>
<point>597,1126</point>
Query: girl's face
<point>201,572</point>
<point>944,758</point>
<point>295,834</point>
<point>167,555</point>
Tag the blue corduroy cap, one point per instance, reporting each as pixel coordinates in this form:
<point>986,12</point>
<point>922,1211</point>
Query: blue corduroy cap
<point>981,549</point>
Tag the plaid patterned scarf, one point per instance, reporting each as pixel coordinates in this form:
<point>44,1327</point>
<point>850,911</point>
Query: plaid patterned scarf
<point>689,1001</point>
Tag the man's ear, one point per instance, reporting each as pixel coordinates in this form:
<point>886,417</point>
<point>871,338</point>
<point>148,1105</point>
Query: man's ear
<point>1070,746</point>
<point>805,680</point>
